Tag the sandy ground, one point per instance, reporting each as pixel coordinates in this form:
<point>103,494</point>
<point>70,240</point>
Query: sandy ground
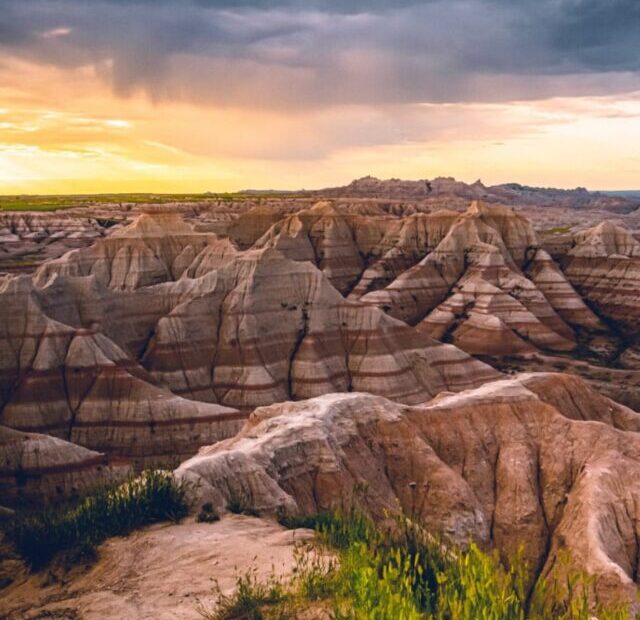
<point>159,573</point>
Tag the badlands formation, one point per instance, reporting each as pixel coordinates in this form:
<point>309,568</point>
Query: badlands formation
<point>303,348</point>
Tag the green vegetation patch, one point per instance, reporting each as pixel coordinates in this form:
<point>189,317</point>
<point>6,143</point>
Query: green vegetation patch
<point>357,572</point>
<point>149,498</point>
<point>558,230</point>
<point>251,600</point>
<point>55,202</point>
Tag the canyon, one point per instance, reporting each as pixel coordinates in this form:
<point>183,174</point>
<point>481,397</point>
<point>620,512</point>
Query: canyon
<point>467,354</point>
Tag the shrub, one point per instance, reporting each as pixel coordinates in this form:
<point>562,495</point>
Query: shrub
<point>239,503</point>
<point>371,586</point>
<point>151,497</point>
<point>337,529</point>
<point>248,600</point>
<point>315,574</point>
<point>208,514</point>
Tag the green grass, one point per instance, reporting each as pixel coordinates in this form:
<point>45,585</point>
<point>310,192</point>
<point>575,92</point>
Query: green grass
<point>415,576</point>
<point>407,575</point>
<point>53,203</point>
<point>21,262</point>
<point>151,497</point>
<point>248,601</point>
<point>56,202</point>
<point>337,530</point>
<point>558,230</point>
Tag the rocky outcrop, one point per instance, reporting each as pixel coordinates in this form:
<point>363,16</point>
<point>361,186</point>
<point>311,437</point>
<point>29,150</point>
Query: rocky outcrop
<point>322,236</point>
<point>277,329</point>
<point>215,255</point>
<point>604,266</point>
<point>240,329</point>
<point>448,189</point>
<point>359,252</point>
<point>16,226</point>
<point>153,371</point>
<point>75,383</point>
<point>39,469</point>
<point>161,572</point>
<point>606,240</point>
<point>471,289</point>
<point>491,296</point>
<point>28,239</point>
<point>514,231</point>
<point>406,266</point>
<point>154,248</point>
<point>481,319</point>
<point>391,249</point>
<point>553,284</point>
<point>255,222</point>
<point>485,236</point>
<point>537,461</point>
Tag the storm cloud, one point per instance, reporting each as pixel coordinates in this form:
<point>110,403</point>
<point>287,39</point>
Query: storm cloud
<point>292,53</point>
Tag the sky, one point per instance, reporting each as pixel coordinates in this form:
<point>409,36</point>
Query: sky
<point>215,95</point>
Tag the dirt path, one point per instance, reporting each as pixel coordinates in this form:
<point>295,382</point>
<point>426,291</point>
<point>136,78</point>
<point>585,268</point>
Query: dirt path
<point>158,573</point>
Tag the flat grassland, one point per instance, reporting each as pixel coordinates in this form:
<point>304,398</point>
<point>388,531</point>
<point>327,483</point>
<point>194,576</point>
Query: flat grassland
<point>53,203</point>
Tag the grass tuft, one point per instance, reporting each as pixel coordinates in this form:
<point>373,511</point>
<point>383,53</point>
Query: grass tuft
<point>336,529</point>
<point>149,498</point>
<point>248,601</point>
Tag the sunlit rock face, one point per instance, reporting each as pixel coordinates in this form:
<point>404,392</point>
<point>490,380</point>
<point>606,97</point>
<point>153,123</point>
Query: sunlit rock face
<point>280,330</point>
<point>539,462</point>
<point>154,248</point>
<point>158,339</point>
<point>461,277</point>
<point>604,265</point>
<point>487,287</point>
<point>553,284</point>
<point>61,377</point>
<point>160,326</point>
<point>312,346</point>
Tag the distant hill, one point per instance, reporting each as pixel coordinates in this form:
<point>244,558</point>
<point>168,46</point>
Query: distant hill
<point>633,194</point>
<point>448,188</point>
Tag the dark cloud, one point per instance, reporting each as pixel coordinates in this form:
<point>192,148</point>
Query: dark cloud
<point>599,36</point>
<point>333,6</point>
<point>323,52</point>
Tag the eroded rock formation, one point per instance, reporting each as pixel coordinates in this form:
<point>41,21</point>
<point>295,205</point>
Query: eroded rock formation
<point>39,469</point>
<point>473,289</point>
<point>163,337</point>
<point>154,248</point>
<point>539,461</point>
<point>146,344</point>
<point>60,377</point>
<point>604,266</point>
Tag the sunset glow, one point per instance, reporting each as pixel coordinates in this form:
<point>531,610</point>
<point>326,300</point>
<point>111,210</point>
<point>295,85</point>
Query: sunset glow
<point>242,103</point>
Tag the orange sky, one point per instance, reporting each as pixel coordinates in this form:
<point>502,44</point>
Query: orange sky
<point>65,130</point>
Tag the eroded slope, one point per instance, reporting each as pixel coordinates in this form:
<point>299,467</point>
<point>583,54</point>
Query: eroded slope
<point>539,461</point>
